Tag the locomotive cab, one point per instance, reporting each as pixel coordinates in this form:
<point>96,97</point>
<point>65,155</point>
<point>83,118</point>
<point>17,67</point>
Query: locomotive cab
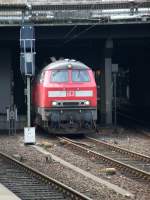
<point>65,98</point>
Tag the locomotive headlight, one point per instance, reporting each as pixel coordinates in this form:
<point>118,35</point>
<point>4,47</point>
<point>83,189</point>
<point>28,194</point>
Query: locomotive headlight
<point>87,103</point>
<point>54,103</point>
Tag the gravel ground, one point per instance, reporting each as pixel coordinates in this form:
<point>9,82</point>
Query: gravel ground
<point>95,168</point>
<point>14,145</point>
<point>77,181</point>
<point>130,139</point>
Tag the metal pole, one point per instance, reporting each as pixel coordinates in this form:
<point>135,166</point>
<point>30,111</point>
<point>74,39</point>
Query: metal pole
<point>115,102</point>
<point>28,102</point>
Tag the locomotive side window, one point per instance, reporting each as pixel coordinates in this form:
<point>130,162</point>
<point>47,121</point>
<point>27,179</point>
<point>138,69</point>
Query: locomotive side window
<point>59,76</point>
<point>80,76</point>
<point>42,77</point>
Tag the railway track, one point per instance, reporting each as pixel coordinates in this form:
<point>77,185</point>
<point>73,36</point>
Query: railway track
<point>127,119</point>
<point>30,184</point>
<point>127,162</point>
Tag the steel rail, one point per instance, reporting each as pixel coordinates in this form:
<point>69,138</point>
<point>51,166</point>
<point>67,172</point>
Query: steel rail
<point>125,168</point>
<point>122,150</point>
<point>67,191</point>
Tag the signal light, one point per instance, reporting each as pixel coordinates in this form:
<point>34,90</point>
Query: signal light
<point>69,66</point>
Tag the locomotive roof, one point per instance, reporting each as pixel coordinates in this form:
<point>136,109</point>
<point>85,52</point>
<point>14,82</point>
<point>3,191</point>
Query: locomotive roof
<point>64,64</point>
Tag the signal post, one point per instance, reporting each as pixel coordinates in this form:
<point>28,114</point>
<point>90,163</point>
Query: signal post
<point>27,67</point>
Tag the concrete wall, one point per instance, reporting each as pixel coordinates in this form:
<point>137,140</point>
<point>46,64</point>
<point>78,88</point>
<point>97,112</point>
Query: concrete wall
<point>5,89</point>
<point>5,79</point>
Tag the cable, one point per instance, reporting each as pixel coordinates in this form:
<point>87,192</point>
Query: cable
<point>75,36</point>
<point>69,32</point>
<point>84,31</point>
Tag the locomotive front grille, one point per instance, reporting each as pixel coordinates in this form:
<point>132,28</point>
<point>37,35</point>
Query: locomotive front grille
<point>66,104</point>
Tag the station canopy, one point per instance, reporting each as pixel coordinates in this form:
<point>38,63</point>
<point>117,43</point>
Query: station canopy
<point>11,2</point>
<point>81,12</point>
<point>81,1</point>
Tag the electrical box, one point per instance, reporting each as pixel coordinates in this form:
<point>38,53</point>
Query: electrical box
<point>27,63</point>
<point>27,37</point>
<point>29,135</point>
<point>114,68</point>
<point>27,50</point>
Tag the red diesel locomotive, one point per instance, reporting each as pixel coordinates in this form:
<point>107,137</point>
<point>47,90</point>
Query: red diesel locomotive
<point>65,98</point>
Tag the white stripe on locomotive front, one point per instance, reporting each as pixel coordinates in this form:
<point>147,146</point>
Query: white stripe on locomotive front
<point>56,93</point>
<point>82,93</point>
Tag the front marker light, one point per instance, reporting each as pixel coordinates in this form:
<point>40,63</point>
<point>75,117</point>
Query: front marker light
<point>87,103</point>
<point>54,103</point>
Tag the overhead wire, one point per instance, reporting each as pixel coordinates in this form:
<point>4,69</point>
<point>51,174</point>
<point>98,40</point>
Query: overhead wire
<point>84,31</point>
<point>69,32</point>
<point>75,36</point>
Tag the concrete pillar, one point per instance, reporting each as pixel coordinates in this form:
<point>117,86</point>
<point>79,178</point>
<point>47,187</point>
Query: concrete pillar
<point>5,85</point>
<point>102,96</point>
<point>108,81</point>
<point>5,77</point>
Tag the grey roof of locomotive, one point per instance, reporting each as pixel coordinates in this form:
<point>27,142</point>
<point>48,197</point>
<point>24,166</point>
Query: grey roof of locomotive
<point>64,64</point>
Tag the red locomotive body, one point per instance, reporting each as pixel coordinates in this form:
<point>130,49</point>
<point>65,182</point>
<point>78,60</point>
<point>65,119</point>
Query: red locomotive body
<point>65,97</point>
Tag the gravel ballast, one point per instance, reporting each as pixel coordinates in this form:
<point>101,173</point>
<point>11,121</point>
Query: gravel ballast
<point>14,145</point>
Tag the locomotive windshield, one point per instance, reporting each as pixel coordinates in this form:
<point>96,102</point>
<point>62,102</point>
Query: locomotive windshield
<point>80,75</point>
<point>59,76</point>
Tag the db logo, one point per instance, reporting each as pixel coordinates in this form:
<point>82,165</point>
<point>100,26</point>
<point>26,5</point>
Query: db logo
<point>70,93</point>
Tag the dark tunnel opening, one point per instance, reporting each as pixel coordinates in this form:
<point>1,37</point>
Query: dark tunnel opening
<point>130,53</point>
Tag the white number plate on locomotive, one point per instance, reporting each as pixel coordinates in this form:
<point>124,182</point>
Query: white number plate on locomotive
<point>70,93</point>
